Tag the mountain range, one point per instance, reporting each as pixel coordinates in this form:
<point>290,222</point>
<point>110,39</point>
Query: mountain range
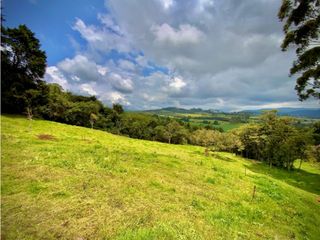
<point>294,112</point>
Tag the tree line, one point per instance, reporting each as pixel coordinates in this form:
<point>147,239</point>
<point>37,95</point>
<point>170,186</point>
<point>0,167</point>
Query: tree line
<point>274,140</point>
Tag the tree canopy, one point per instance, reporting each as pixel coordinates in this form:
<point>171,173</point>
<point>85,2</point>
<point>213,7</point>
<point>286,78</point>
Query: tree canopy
<point>302,29</point>
<point>23,66</point>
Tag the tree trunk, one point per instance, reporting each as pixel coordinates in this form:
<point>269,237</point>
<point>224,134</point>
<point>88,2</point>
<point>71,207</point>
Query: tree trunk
<point>29,116</point>
<point>300,164</point>
<point>270,163</point>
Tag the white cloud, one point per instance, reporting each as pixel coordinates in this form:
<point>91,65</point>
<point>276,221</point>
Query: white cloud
<point>185,34</point>
<point>115,97</point>
<point>126,65</point>
<point>102,39</point>
<point>167,3</point>
<point>142,61</point>
<point>87,88</point>
<point>102,70</point>
<point>177,83</point>
<point>90,33</point>
<point>81,67</point>
<point>75,78</point>
<point>53,75</point>
<point>202,5</point>
<point>226,54</point>
<point>120,83</point>
<point>109,22</point>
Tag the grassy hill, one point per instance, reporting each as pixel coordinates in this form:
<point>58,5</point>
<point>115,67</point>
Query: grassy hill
<point>229,121</point>
<point>198,117</point>
<point>68,182</point>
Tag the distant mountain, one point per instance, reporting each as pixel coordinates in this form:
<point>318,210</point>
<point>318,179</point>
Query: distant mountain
<point>181,110</point>
<point>294,112</point>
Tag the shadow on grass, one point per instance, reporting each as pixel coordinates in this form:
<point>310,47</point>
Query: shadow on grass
<point>298,177</point>
<point>223,158</point>
<point>13,115</point>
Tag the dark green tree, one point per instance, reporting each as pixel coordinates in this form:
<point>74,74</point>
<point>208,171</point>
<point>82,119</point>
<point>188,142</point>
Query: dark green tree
<point>57,104</point>
<point>302,29</point>
<point>23,65</point>
<point>117,108</point>
<point>316,132</point>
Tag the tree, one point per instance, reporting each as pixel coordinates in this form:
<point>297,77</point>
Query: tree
<point>23,66</point>
<point>171,129</point>
<point>252,139</point>
<point>162,134</point>
<point>203,137</point>
<point>57,104</point>
<point>117,108</point>
<point>93,119</point>
<point>316,133</point>
<point>302,29</point>
<point>79,112</point>
<point>174,132</point>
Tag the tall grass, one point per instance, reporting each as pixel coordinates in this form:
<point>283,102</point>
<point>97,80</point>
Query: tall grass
<point>87,184</point>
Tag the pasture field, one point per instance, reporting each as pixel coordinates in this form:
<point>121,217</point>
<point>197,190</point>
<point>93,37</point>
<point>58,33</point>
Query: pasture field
<point>67,182</point>
<point>201,118</point>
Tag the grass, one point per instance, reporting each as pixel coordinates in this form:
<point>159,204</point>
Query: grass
<point>227,126</point>
<point>198,119</point>
<point>68,182</point>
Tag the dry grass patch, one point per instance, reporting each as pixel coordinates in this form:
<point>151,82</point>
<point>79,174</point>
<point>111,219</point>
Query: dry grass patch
<point>46,137</point>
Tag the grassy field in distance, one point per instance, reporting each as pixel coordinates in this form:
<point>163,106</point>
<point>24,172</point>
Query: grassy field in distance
<point>204,119</point>
<point>224,120</point>
<point>68,182</point>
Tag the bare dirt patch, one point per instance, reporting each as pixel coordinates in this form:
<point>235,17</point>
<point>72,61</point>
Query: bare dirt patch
<point>46,137</point>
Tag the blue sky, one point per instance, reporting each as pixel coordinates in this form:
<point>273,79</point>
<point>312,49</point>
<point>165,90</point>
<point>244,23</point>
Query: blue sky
<point>157,53</point>
<point>52,22</point>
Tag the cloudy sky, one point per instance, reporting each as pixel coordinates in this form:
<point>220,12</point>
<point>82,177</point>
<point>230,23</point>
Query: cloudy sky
<point>145,54</point>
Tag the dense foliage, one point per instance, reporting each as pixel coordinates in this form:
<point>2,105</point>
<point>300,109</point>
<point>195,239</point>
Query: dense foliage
<point>276,141</point>
<point>302,29</point>
<point>23,65</point>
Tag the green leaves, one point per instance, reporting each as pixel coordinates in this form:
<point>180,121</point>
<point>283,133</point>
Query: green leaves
<point>302,29</point>
<point>23,66</point>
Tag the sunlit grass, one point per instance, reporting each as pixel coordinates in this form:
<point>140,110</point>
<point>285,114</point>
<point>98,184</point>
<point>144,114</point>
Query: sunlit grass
<point>89,184</point>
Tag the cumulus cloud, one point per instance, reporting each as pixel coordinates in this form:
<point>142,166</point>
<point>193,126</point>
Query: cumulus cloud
<point>109,22</point>
<point>53,75</point>
<point>124,85</point>
<point>115,97</point>
<point>80,67</point>
<point>126,65</point>
<point>177,83</point>
<point>102,70</point>
<point>166,3</point>
<point>185,34</point>
<point>87,88</point>
<point>142,61</point>
<point>103,38</point>
<point>226,55</point>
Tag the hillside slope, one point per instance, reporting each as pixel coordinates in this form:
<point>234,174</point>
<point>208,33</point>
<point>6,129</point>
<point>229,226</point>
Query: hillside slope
<point>68,182</point>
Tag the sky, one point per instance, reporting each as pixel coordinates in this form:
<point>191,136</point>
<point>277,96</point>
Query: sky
<point>147,54</point>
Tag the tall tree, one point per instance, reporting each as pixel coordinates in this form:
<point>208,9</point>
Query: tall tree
<point>302,29</point>
<point>23,66</point>
<point>117,108</point>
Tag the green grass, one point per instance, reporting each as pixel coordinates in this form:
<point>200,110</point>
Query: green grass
<point>89,184</point>
<point>227,126</point>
